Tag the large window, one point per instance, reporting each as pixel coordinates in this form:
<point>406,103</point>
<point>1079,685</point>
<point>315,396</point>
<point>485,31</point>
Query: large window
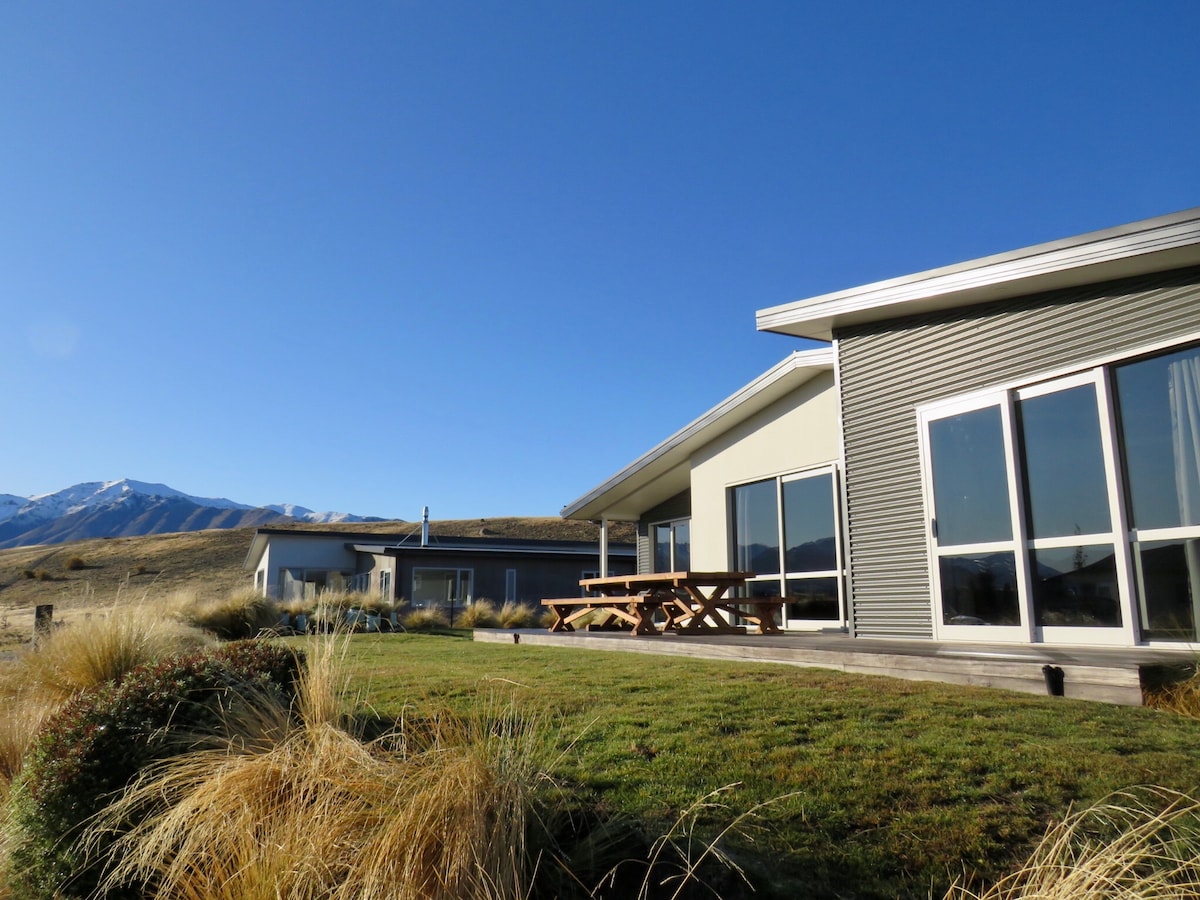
<point>1160,433</point>
<point>672,545</point>
<point>785,532</point>
<point>1071,509</point>
<point>309,584</point>
<point>441,587</point>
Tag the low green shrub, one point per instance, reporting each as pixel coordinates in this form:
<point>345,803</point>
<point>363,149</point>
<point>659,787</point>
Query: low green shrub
<point>96,745</point>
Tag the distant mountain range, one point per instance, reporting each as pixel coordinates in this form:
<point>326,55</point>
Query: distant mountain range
<point>127,508</point>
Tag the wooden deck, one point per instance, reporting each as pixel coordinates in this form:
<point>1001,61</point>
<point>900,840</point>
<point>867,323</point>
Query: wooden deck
<point>1110,675</point>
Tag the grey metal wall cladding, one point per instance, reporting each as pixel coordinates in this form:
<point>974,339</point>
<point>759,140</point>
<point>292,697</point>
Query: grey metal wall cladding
<point>890,368</point>
<point>644,550</point>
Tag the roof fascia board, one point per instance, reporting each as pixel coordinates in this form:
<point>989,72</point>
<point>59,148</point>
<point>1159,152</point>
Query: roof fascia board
<point>1158,244</point>
<point>673,450</point>
<point>400,550</point>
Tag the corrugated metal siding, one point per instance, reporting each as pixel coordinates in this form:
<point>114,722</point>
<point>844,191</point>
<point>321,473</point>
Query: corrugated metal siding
<point>645,551</point>
<point>888,369</point>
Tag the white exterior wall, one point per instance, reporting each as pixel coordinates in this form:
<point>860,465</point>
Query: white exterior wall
<point>284,551</point>
<point>798,432</point>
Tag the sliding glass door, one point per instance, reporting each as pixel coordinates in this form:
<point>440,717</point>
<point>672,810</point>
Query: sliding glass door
<point>1159,402</point>
<point>785,531</point>
<point>1026,530</point>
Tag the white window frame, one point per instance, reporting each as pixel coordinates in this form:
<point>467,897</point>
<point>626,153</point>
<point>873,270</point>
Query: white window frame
<point>783,576</point>
<point>671,524</point>
<point>1021,543</point>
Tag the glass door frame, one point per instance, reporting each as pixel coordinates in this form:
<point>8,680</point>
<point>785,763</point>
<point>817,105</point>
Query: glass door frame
<point>838,574</point>
<point>783,575</point>
<point>1022,632</point>
<point>1124,634</point>
<point>1021,543</point>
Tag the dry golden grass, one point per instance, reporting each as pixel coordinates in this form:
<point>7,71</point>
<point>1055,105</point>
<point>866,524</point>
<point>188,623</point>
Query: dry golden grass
<point>102,648</point>
<point>39,680</point>
<point>480,614</point>
<point>1180,697</point>
<point>437,811</point>
<point>518,615</point>
<point>119,570</point>
<point>1136,845</point>
<point>422,619</point>
<point>238,615</point>
<point>125,569</point>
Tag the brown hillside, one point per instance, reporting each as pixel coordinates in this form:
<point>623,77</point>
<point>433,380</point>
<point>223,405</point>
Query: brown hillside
<point>108,570</point>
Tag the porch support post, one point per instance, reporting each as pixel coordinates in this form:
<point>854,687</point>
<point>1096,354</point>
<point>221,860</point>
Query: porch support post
<point>604,546</point>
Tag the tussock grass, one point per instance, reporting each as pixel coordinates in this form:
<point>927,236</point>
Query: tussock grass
<point>1181,696</point>
<point>102,648</point>
<point>297,804</point>
<point>1140,844</point>
<point>24,715</point>
<point>73,658</point>
<point>425,619</point>
<point>480,614</point>
<point>235,616</point>
<point>518,615</point>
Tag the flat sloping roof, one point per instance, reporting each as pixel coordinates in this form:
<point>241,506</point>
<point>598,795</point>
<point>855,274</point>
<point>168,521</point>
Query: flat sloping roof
<point>409,543</point>
<point>1151,245</point>
<point>664,471</point>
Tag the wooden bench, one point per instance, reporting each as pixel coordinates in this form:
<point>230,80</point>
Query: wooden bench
<point>761,614</point>
<point>636,613</point>
<point>619,613</point>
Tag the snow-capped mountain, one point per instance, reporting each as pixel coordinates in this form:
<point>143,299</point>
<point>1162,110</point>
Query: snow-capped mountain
<point>126,507</point>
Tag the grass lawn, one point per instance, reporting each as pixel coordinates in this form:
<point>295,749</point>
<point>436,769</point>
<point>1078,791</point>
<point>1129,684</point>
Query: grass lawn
<point>897,787</point>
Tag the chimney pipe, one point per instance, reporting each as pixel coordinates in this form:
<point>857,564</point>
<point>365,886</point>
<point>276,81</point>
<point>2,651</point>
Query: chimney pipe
<point>425,526</point>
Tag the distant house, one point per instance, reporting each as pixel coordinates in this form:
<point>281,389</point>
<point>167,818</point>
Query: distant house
<point>423,570</point>
<point>1006,449</point>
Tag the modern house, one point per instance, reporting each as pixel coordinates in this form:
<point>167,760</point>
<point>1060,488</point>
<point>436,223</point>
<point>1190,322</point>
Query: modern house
<point>1006,449</point>
<point>424,570</point>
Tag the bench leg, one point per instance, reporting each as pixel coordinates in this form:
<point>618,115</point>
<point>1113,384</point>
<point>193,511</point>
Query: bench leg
<point>560,622</point>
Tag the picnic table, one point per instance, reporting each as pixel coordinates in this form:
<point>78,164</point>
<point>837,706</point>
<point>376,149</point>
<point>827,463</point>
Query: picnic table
<point>685,602</point>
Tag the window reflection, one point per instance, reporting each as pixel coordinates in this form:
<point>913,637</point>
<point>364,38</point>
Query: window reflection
<point>803,571</point>
<point>812,598</point>
<point>681,537</point>
<point>979,589</point>
<point>672,546</point>
<point>1065,486</point>
<point>1169,579</point>
<point>808,525</point>
<point>662,548</point>
<point>1076,586</point>
<point>756,527</point>
<point>1160,428</point>
<point>970,478</point>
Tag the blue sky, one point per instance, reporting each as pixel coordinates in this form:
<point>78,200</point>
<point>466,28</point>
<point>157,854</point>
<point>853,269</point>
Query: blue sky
<point>376,255</point>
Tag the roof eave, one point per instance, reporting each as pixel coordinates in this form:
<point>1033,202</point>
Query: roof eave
<point>607,500</point>
<point>1152,245</point>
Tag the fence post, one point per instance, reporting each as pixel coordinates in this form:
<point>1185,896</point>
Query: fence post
<point>43,621</point>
